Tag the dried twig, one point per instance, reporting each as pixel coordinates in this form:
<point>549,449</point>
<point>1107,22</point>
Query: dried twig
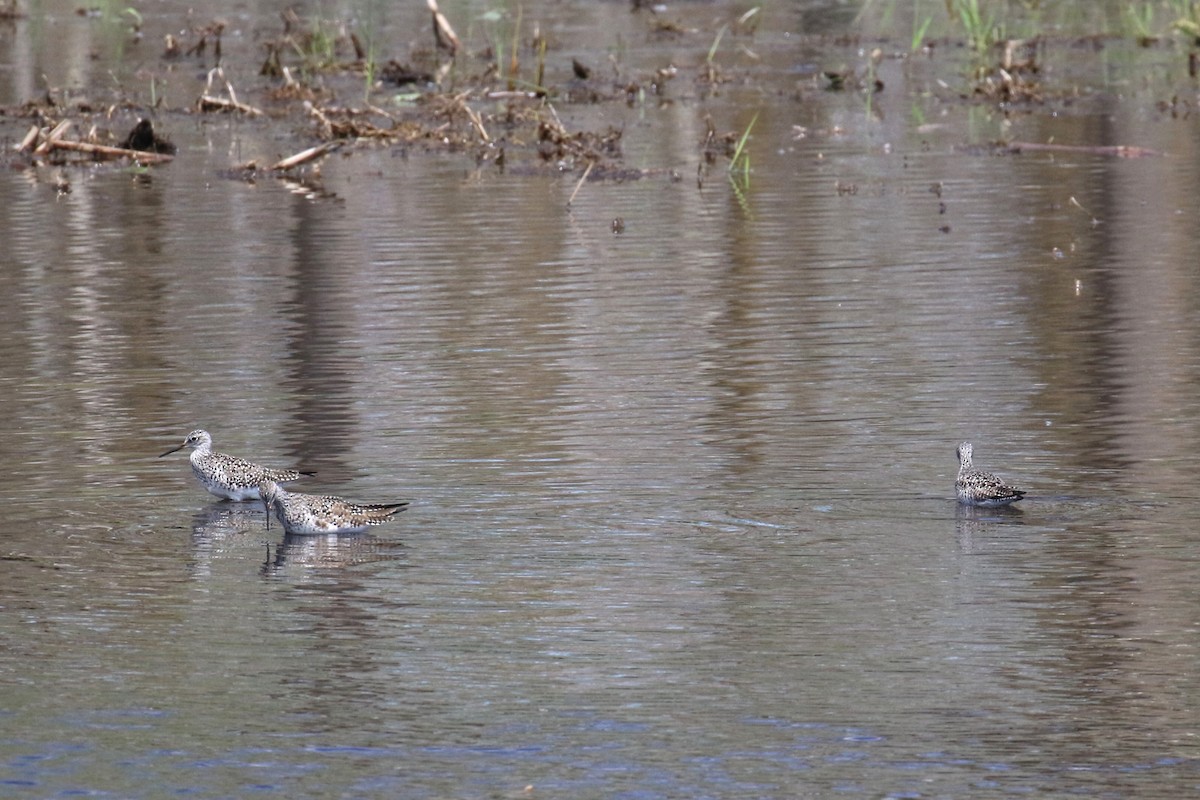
<point>326,125</point>
<point>111,152</point>
<point>553,113</point>
<point>209,103</point>
<point>374,109</point>
<point>579,185</point>
<point>476,120</point>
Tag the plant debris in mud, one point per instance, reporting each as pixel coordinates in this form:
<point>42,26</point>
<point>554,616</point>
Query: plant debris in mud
<point>489,114</point>
<point>493,103</point>
<point>1012,81</point>
<point>142,145</point>
<point>311,66</point>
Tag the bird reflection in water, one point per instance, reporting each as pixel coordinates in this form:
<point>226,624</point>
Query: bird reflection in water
<point>330,551</point>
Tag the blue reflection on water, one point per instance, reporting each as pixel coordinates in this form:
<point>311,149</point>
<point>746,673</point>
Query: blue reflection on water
<point>592,755</point>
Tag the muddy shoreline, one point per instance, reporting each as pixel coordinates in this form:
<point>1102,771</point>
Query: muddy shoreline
<point>501,103</point>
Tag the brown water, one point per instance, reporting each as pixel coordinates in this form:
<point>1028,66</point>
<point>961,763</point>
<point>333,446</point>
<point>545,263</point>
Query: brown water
<point>682,515</point>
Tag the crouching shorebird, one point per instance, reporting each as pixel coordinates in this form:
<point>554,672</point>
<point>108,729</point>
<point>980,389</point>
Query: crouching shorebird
<point>228,476</point>
<point>310,513</point>
<point>978,488</point>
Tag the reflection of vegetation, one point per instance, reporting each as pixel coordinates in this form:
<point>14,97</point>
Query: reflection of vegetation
<point>982,29</point>
<point>739,193</point>
<point>712,51</point>
<point>1138,21</point>
<point>366,45</point>
<point>318,48</point>
<point>989,23</point>
<point>500,32</point>
<point>748,23</point>
<point>121,23</point>
<point>873,83</point>
<point>1188,20</point>
<point>739,167</point>
<point>133,15</point>
<point>503,34</point>
<point>740,162</point>
<point>919,30</point>
<point>112,11</point>
<point>711,73</point>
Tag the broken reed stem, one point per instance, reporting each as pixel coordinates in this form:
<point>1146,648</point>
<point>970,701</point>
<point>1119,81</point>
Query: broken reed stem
<point>52,137</point>
<point>305,156</point>
<point>477,121</point>
<point>209,102</point>
<point>140,156</point>
<point>579,185</point>
<point>228,85</point>
<point>29,139</point>
<point>443,34</point>
<point>374,109</point>
<point>326,125</point>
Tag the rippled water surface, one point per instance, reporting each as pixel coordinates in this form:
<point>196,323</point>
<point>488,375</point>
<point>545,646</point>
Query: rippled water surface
<point>682,518</point>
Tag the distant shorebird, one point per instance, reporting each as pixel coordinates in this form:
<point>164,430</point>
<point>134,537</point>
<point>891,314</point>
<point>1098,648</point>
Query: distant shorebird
<point>310,513</point>
<point>978,488</point>
<point>227,476</point>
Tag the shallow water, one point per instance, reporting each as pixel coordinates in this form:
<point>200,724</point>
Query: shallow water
<point>682,514</point>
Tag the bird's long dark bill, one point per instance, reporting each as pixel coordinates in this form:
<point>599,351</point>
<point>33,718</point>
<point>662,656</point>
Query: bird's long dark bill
<point>174,449</point>
<point>267,507</point>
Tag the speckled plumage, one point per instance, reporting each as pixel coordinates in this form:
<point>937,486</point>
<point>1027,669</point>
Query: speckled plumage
<point>228,476</point>
<point>310,513</point>
<point>978,488</point>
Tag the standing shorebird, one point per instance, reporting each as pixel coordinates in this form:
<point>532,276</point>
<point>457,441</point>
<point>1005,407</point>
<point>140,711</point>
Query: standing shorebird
<point>978,488</point>
<point>310,513</point>
<point>227,476</point>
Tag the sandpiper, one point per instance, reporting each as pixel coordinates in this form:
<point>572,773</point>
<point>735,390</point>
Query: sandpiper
<point>310,513</point>
<point>227,476</point>
<point>978,488</point>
